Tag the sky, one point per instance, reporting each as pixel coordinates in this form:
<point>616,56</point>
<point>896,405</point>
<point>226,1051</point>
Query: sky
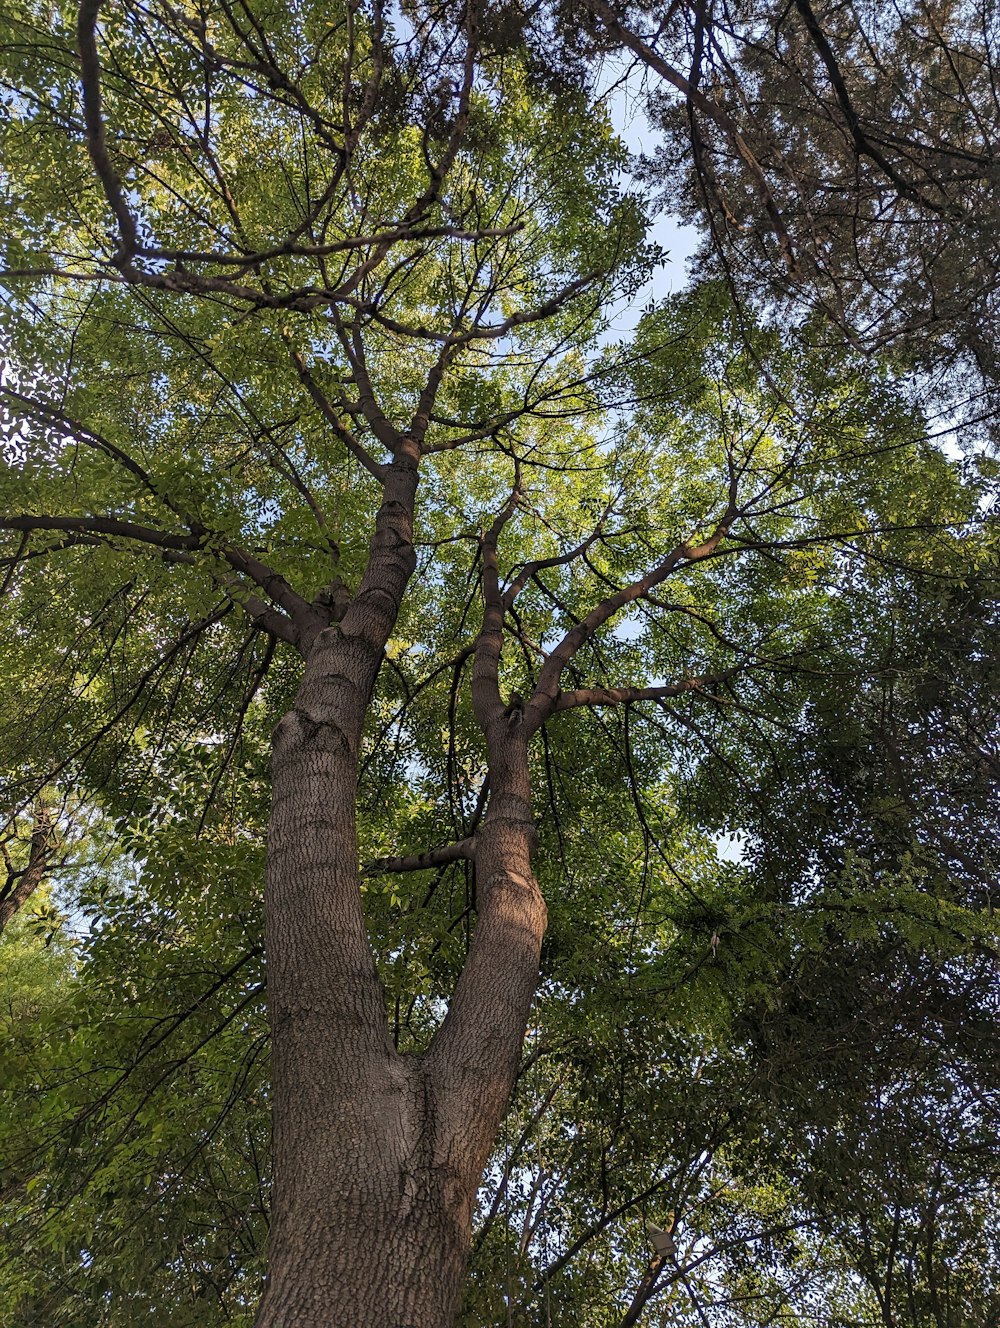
<point>625,103</point>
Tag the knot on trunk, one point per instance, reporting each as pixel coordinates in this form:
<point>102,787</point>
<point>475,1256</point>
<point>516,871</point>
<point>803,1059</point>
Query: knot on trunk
<point>298,728</point>
<point>518,883</point>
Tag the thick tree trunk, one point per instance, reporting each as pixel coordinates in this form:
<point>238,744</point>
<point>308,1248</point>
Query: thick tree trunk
<point>370,1223</point>
<point>377,1157</point>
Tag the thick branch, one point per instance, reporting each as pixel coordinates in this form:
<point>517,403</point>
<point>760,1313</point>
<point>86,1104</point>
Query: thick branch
<point>301,612</point>
<point>603,696</point>
<point>375,417</point>
<point>539,564</point>
<point>20,885</point>
<point>301,620</point>
<point>489,643</point>
<point>269,620</point>
<point>392,559</point>
<point>90,76</point>
<point>862,143</point>
<point>100,525</point>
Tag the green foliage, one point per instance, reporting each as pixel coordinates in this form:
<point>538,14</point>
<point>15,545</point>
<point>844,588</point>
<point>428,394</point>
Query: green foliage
<point>766,1019</point>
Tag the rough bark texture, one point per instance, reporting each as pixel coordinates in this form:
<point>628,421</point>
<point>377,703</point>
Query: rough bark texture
<point>376,1156</point>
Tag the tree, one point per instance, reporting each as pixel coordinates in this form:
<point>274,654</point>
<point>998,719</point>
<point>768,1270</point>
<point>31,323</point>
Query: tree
<point>267,272</point>
<point>837,158</point>
<point>865,1046</point>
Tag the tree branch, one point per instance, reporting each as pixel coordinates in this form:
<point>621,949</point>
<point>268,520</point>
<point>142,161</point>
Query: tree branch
<point>489,643</point>
<point>708,107</point>
<point>862,143</point>
<point>478,331</point>
<point>545,695</point>
<point>434,857</point>
<point>302,620</point>
<point>602,696</point>
<point>20,885</point>
<point>392,235</point>
<point>101,525</point>
<point>326,409</point>
<point>539,564</point>
<point>90,77</point>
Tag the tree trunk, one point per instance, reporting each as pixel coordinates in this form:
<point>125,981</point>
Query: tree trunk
<point>377,1157</point>
<point>21,885</point>
<point>370,1222</point>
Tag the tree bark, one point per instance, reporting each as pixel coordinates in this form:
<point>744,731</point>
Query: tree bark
<point>377,1156</point>
<point>21,885</point>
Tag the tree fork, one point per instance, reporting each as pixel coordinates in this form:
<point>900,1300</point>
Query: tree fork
<point>377,1155</point>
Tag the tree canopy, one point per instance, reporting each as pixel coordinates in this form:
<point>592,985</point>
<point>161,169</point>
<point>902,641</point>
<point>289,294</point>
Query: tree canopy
<point>329,474</point>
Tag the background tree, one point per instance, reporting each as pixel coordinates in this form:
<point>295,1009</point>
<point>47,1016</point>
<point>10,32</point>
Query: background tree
<point>267,270</point>
<point>838,158</point>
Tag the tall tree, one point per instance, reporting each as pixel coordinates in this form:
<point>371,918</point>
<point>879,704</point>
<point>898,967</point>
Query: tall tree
<point>269,270</point>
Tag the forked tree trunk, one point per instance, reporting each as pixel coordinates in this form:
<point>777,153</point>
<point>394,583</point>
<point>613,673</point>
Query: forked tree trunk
<point>376,1156</point>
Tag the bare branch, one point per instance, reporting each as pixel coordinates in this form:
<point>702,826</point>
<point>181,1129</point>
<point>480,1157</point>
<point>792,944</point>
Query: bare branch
<point>603,696</point>
<point>90,76</point>
<point>544,699</point>
<point>434,857</point>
